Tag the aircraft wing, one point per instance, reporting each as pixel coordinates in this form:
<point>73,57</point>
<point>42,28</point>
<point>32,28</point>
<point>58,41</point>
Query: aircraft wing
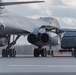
<point>34,25</point>
<point>15,3</point>
<point>46,23</point>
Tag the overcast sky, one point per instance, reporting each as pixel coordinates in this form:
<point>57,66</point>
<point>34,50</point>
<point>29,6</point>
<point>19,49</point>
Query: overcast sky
<point>63,10</point>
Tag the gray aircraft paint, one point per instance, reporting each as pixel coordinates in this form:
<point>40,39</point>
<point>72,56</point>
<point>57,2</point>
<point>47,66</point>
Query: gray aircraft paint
<point>20,23</point>
<point>14,24</point>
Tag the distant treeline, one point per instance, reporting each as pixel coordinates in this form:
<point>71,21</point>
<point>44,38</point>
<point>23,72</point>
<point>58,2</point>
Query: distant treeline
<point>22,49</point>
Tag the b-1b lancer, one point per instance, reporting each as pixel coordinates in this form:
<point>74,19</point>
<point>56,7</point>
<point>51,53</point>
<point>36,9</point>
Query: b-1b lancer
<point>40,32</point>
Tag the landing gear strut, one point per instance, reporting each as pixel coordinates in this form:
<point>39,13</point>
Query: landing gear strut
<point>39,51</point>
<point>8,51</point>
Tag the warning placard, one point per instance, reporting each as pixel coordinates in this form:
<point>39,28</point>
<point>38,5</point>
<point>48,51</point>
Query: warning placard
<point>57,53</point>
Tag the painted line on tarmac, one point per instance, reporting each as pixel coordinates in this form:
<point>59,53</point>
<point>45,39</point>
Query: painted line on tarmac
<point>64,66</point>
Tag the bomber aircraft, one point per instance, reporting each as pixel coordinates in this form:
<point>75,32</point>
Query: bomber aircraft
<point>40,32</point>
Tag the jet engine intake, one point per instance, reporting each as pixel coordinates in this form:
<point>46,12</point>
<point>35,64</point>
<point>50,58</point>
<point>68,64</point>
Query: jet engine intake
<point>45,37</point>
<point>32,38</point>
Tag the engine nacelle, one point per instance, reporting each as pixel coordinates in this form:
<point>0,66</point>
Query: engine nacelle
<point>39,39</point>
<point>32,38</point>
<point>45,38</point>
<point>3,41</point>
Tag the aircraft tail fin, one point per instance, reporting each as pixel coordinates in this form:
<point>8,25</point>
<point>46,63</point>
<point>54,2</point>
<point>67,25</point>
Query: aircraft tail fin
<point>15,3</point>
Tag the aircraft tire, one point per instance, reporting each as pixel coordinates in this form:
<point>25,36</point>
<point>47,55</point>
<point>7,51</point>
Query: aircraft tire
<point>74,53</point>
<point>44,52</point>
<point>3,53</point>
<point>36,53</point>
<point>13,53</point>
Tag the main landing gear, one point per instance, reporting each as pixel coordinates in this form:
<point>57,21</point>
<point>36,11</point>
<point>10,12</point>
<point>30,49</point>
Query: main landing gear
<point>38,51</point>
<point>8,51</point>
